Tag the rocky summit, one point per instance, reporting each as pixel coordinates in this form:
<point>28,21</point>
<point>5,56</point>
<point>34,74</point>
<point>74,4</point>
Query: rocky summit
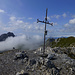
<point>30,62</point>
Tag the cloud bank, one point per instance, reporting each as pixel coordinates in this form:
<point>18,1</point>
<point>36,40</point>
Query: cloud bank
<point>21,42</point>
<point>2,11</point>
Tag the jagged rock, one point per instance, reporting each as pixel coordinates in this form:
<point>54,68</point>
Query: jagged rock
<point>10,34</point>
<point>61,65</point>
<point>43,68</point>
<point>48,50</point>
<point>22,73</point>
<point>51,56</point>
<point>18,55</point>
<point>55,50</point>
<point>54,71</point>
<point>73,51</point>
<point>21,55</point>
<point>32,62</point>
<point>40,50</point>
<point>3,37</point>
<point>25,60</point>
<point>40,60</point>
<point>49,64</point>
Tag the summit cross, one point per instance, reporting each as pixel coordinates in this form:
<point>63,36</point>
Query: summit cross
<point>45,31</point>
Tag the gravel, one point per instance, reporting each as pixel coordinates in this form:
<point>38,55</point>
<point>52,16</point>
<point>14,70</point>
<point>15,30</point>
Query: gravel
<point>57,63</point>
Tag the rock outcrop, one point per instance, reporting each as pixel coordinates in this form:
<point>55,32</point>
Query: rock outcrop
<point>3,37</point>
<point>29,62</point>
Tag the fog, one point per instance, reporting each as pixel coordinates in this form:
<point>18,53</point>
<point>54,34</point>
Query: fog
<point>21,42</point>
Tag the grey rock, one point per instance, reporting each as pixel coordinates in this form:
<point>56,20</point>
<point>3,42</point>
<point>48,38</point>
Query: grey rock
<point>40,60</point>
<point>54,72</point>
<point>22,73</point>
<point>25,60</point>
<point>21,55</point>
<point>73,51</point>
<point>32,62</point>
<point>51,56</point>
<point>49,64</point>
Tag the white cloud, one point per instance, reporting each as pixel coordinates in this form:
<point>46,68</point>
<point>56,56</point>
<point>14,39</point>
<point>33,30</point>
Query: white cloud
<point>64,15</point>
<point>66,25</point>
<point>55,16</point>
<point>19,22</point>
<point>15,24</point>
<point>72,21</point>
<point>23,42</point>
<point>26,23</point>
<point>30,18</point>
<point>12,18</point>
<point>73,16</point>
<point>70,27</point>
<point>2,11</point>
<point>52,16</point>
<point>58,16</point>
<point>15,21</point>
<point>48,18</point>
<point>29,27</point>
<point>11,29</point>
<point>55,24</point>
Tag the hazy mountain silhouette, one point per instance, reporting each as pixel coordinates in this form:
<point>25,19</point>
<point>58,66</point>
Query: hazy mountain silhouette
<point>4,36</point>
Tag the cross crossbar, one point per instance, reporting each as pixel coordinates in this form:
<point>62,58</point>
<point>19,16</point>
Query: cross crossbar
<point>44,22</point>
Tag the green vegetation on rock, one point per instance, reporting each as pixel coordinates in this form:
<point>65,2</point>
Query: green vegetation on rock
<point>62,42</point>
<point>67,43</point>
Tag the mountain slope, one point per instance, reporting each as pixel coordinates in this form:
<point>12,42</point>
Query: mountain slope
<point>63,42</point>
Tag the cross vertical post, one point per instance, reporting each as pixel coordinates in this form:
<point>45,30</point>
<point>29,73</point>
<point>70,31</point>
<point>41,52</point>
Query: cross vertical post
<point>45,31</point>
<point>44,40</point>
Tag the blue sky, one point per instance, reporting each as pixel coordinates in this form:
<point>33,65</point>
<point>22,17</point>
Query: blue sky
<point>20,17</point>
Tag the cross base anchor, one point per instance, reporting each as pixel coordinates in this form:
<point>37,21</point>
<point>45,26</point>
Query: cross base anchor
<point>43,55</point>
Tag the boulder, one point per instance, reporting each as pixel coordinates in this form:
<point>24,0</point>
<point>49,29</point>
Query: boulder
<point>21,55</point>
<point>73,51</point>
<point>51,56</point>
<point>32,62</point>
<point>22,73</point>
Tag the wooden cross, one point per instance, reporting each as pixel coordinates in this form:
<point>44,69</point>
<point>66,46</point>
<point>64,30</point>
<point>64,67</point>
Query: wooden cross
<point>45,31</point>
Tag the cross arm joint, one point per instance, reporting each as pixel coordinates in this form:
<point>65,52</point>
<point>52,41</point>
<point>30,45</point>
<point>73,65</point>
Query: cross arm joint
<point>40,21</point>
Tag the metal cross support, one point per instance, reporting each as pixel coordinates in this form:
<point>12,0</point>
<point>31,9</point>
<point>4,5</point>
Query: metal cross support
<point>45,32</point>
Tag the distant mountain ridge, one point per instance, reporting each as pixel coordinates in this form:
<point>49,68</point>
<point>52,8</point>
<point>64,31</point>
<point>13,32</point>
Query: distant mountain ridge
<point>4,36</point>
<point>62,42</point>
